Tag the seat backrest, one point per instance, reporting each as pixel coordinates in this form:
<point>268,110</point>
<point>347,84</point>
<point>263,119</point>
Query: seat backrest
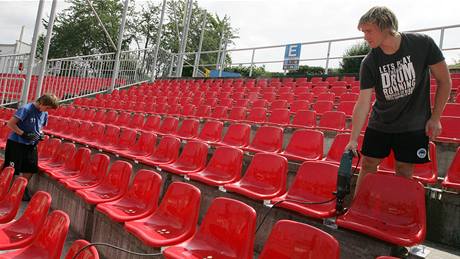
<point>97,132</point>
<point>76,161</point>
<point>5,180</point>
<point>323,106</point>
<point>53,234</point>
<point>203,111</point>
<point>188,129</point>
<point>123,119</point>
<point>127,138</point>
<point>96,167</point>
<point>338,147</point>
<point>237,113</point>
<point>290,239</point>
<point>268,171</point>
<point>152,123</point>
<point>145,144</point>
<point>299,105</point>
<point>226,161</point>
<point>403,203</point>
<point>268,138</point>
<point>118,176</point>
<point>306,143</point>
<point>110,117</point>
<point>13,199</point>
<point>51,147</point>
<point>181,203</point>
<point>450,128</point>
<point>223,224</point>
<point>219,112</point>
<point>280,116</point>
<point>137,121</point>
<point>169,125</point>
<point>145,189</point>
<point>88,253</point>
<point>333,120</point>
<point>346,107</point>
<point>111,135</point>
<point>64,152</point>
<point>36,210</point>
<point>211,131</point>
<point>194,153</point>
<point>167,149</point>
<point>454,169</point>
<point>304,118</point>
<point>314,181</point>
<point>237,135</point>
<point>452,109</point>
<point>188,110</point>
<point>257,115</point>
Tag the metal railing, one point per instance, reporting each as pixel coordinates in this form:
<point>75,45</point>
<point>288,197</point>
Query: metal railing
<point>278,51</point>
<point>12,77</point>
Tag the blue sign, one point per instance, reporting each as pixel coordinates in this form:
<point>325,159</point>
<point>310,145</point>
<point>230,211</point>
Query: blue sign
<point>292,56</point>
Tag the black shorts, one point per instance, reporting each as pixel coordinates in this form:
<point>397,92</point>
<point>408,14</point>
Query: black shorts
<point>408,147</point>
<point>24,158</point>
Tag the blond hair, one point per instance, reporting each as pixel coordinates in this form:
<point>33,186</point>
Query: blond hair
<point>381,16</point>
<point>50,100</point>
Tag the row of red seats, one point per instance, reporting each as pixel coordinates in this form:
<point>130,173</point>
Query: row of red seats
<point>35,234</point>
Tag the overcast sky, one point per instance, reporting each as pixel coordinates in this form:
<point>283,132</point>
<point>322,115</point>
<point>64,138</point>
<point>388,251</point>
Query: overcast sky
<point>275,22</point>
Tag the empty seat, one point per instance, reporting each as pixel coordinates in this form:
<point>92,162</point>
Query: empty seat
<point>113,186</point>
<point>452,179</point>
<point>72,164</point>
<point>109,139</point>
<point>64,152</point>
<point>168,126</point>
<point>188,129</point>
<point>304,119</point>
<point>222,233</point>
<point>237,135</point>
<point>140,200</point>
<point>224,167</point>
<point>91,173</point>
<point>315,181</point>
<point>338,148</point>
<point>188,110</point>
<point>219,112</point>
<point>346,107</point>
<point>49,242</point>
<point>211,131</point>
<point>326,97</point>
<point>237,114</point>
<point>279,117</point>
<point>333,121</point>
<point>322,107</point>
<point>265,178</point>
<point>166,152</point>
<point>299,105</point>
<point>88,253</point>
<point>305,145</point>
<point>257,115</point>
<point>452,109</point>
<point>152,124</point>
<point>24,230</point>
<point>267,139</point>
<point>5,180</point>
<point>289,239</point>
<point>191,160</point>
<point>450,132</point>
<point>203,111</point>
<point>279,104</point>
<point>143,147</point>
<point>175,219</point>
<point>395,215</point>
<point>10,203</point>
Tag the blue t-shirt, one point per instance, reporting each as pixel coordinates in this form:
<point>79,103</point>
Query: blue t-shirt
<point>31,119</point>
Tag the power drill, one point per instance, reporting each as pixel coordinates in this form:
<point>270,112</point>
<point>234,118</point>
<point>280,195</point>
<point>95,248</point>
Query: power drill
<point>343,179</point>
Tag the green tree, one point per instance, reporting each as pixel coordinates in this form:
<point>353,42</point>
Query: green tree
<point>77,32</point>
<point>351,65</point>
<point>244,71</point>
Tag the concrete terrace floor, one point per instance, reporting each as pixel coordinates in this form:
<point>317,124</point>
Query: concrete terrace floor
<point>436,251</point>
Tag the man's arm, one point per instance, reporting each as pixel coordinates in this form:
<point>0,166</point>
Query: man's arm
<point>444,84</point>
<point>359,116</point>
<point>13,125</point>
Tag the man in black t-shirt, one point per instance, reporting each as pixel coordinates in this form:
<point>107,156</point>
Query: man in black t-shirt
<point>398,70</point>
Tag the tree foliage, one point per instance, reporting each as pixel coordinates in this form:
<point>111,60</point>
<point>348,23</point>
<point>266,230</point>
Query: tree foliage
<point>352,65</point>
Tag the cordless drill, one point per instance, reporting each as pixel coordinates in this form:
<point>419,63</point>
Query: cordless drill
<point>343,179</point>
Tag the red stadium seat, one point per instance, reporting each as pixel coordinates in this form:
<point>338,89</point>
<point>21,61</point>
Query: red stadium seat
<point>168,126</point>
<point>192,159</point>
<point>450,132</point>
<point>91,173</point>
<point>290,239</point>
<point>152,124</point>
<point>265,178</point>
<point>323,106</point>
<point>332,121</point>
<point>395,215</point>
<point>237,135</point>
<point>305,145</point>
<point>49,242</point>
<point>5,180</point>
<point>203,111</point>
<point>175,219</point>
<point>211,132</point>
<point>188,129</point>
<point>224,167</point>
<point>267,139</point>
<point>330,97</point>
<point>23,231</point>
<point>349,97</point>
<point>109,140</point>
<point>299,105</point>
<point>346,107</point>
<point>257,115</point>
<point>113,186</point>
<point>166,152</point>
<point>144,146</point>
<point>279,117</point>
<point>10,203</point>
<point>63,152</point>
<point>188,110</point>
<point>338,147</point>
<point>304,119</point>
<point>126,141</point>
<point>237,114</point>
<point>219,113</point>
<point>140,200</point>
<point>72,164</point>
<point>88,253</point>
<point>222,233</point>
<point>315,181</point>
<point>279,104</point>
<point>452,179</point>
<point>452,109</point>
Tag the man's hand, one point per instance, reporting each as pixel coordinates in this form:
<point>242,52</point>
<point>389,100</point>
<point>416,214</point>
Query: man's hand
<point>30,136</point>
<point>433,128</point>
<point>353,146</point>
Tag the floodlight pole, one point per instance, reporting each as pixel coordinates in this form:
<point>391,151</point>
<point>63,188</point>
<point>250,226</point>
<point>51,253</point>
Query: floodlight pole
<point>198,54</point>
<point>119,41</point>
<point>180,62</point>
<point>25,89</point>
<point>327,57</point>
<point>157,46</point>
<point>222,59</point>
<point>46,48</point>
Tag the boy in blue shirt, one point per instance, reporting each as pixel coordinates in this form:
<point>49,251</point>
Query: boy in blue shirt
<point>27,124</point>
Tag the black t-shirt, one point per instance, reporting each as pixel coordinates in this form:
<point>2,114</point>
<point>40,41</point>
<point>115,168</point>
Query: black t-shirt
<point>402,83</point>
